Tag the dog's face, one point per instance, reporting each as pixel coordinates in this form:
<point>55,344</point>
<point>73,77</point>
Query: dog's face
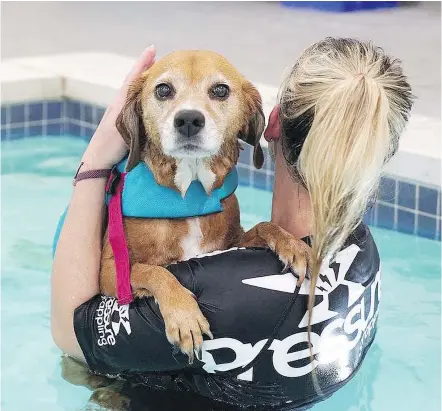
<point>191,104</point>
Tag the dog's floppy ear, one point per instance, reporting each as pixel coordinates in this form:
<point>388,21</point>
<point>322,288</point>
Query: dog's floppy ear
<point>253,129</point>
<point>129,123</point>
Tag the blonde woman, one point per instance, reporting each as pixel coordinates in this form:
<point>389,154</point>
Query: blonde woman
<point>276,345</point>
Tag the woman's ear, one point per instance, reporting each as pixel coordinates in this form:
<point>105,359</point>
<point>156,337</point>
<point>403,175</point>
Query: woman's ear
<point>255,123</point>
<point>129,123</point>
<point>272,132</point>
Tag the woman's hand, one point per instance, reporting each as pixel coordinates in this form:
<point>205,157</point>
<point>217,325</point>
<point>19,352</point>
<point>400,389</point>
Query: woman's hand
<point>106,147</point>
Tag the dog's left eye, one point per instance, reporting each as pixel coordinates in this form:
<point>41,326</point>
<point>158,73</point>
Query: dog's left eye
<point>220,91</point>
<point>163,91</point>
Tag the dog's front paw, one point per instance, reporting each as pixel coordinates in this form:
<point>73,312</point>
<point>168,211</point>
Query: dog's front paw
<point>185,323</point>
<point>293,253</point>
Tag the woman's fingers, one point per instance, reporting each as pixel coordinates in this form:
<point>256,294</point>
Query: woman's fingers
<point>144,62</point>
<point>146,59</point>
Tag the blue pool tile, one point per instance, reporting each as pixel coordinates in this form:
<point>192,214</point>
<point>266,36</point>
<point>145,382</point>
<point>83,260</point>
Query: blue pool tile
<point>35,111</point>
<point>244,175</point>
<point>438,234</point>
<point>53,129</point>
<point>385,216</point>
<point>77,112</point>
<point>426,226</point>
<point>407,195</point>
<point>268,163</point>
<point>88,114</point>
<point>67,128</point>
<point>245,154</point>
<point>99,112</point>
<point>271,181</point>
<point>16,133</point>
<point>25,132</point>
<point>405,221</point>
<point>259,180</point>
<point>17,114</point>
<point>387,190</point>
<point>65,109</point>
<point>90,131</point>
<point>83,111</point>
<point>4,134</point>
<point>63,127</point>
<point>73,110</point>
<point>428,200</point>
<point>369,216</point>
<point>35,131</point>
<point>55,110</point>
<point>4,115</point>
<point>86,133</point>
<point>73,130</point>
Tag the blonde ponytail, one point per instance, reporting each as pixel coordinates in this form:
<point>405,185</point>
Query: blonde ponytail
<point>341,161</point>
<point>354,101</point>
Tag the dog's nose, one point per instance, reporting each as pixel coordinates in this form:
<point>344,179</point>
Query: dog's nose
<point>189,122</point>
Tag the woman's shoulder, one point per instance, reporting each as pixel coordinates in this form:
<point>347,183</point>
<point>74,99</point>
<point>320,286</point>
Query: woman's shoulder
<point>361,248</point>
<point>359,258</point>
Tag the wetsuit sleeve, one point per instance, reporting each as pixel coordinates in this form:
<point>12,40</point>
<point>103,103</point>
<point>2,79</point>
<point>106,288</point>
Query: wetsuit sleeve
<point>131,338</point>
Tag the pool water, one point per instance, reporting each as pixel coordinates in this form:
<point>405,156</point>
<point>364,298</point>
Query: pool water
<point>400,372</point>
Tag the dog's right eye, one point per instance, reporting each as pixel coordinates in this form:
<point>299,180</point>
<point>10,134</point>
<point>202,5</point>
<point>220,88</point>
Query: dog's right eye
<point>163,91</point>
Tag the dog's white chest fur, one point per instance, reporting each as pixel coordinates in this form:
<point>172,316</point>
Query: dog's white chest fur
<point>189,169</point>
<point>191,243</point>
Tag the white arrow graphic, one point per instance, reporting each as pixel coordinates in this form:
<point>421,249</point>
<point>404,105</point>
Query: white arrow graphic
<point>287,283</point>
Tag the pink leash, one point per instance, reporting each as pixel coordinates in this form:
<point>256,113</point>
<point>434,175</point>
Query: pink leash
<point>117,239</point>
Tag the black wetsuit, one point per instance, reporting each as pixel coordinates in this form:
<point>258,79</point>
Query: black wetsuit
<point>244,295</point>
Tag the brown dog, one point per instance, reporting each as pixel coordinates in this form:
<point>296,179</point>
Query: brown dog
<point>185,118</point>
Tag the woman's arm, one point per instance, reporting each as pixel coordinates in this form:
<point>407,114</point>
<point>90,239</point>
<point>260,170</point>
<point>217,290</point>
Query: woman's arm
<point>77,258</point>
<point>77,261</point>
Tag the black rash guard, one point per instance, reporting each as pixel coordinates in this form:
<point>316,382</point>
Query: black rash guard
<point>244,294</point>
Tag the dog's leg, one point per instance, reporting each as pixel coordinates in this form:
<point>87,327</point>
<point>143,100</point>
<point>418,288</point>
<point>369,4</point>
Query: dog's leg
<point>291,251</point>
<point>183,319</point>
<point>256,242</point>
<point>111,398</point>
<point>78,373</point>
<point>106,391</point>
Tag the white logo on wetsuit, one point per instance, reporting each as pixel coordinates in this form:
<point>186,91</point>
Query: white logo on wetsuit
<point>110,317</point>
<point>335,341</point>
